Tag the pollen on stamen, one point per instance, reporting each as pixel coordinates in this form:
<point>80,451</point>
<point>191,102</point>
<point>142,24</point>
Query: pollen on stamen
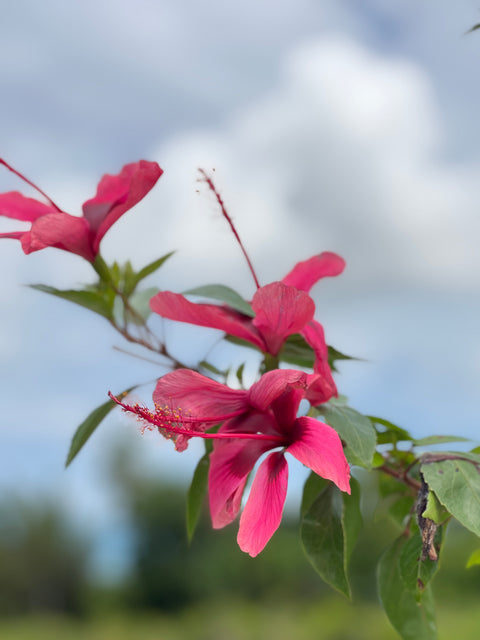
<point>172,423</point>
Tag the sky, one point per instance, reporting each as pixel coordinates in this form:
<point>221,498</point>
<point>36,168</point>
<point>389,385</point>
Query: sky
<point>348,126</point>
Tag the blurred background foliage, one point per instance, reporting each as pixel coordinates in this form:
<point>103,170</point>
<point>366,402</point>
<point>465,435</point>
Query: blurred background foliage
<point>208,589</point>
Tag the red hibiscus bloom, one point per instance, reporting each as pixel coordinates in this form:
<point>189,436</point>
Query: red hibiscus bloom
<point>253,423</point>
<point>280,309</point>
<point>52,227</point>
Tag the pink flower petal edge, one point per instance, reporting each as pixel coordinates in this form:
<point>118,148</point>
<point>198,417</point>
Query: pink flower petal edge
<point>305,274</point>
<point>280,311</point>
<point>15,205</point>
<point>116,194</point>
<point>322,386</point>
<point>273,384</point>
<point>318,446</point>
<point>198,395</point>
<point>174,306</point>
<point>262,514</point>
<point>52,227</point>
<point>59,230</point>
<point>230,463</point>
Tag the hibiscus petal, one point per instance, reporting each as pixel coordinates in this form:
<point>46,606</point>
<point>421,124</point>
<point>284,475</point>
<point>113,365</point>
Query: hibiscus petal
<point>262,514</point>
<point>199,396</point>
<point>253,422</point>
<point>14,205</point>
<point>15,235</point>
<point>230,463</point>
<point>321,385</point>
<point>305,274</point>
<point>318,446</point>
<point>280,311</point>
<point>117,194</point>
<point>176,307</point>
<point>60,230</point>
<point>274,384</point>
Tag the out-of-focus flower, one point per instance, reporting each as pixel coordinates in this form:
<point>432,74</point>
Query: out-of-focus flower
<point>281,309</point>
<point>52,227</point>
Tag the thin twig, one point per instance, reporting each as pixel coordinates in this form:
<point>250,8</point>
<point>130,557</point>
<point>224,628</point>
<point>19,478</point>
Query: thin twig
<point>402,476</point>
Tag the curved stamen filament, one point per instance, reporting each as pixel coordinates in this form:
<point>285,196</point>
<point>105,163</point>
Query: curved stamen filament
<point>169,422</point>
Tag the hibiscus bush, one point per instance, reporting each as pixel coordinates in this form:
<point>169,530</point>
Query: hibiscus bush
<point>293,407</point>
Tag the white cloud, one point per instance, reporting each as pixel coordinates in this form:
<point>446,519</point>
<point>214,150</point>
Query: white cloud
<point>344,154</point>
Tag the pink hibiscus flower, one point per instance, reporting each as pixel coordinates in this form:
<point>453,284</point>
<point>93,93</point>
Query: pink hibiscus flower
<point>52,227</point>
<point>254,422</point>
<point>280,309</point>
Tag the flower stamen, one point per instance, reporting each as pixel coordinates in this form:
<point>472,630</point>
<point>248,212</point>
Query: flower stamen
<point>171,423</point>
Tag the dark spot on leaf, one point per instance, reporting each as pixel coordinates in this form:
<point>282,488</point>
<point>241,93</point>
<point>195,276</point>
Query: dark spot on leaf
<point>420,584</point>
<point>440,471</point>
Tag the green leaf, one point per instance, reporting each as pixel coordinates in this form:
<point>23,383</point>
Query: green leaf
<point>296,351</point>
<point>115,273</point>
<point>462,455</point>
<point>128,279</point>
<point>329,531</point>
<point>378,460</point>
<point>150,268</point>
<point>472,29</point>
<point>224,294</point>
<point>208,443</point>
<point>402,458</point>
<point>422,442</point>
<point>397,500</point>
<point>474,559</point>
<point>196,494</point>
<point>313,486</point>
<point>100,302</point>
<point>334,355</point>
<point>340,401</point>
<point>103,270</point>
<point>391,433</point>
<point>456,484</point>
<point>415,573</point>
<point>118,311</point>
<point>88,426</point>
<point>239,373</point>
<point>139,301</point>
<point>241,343</point>
<point>434,510</point>
<point>412,620</point>
<point>204,364</point>
<point>351,519</point>
<point>389,485</point>
<point>355,430</point>
<point>400,509</point>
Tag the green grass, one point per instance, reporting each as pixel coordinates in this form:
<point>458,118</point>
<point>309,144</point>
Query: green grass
<point>332,619</point>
